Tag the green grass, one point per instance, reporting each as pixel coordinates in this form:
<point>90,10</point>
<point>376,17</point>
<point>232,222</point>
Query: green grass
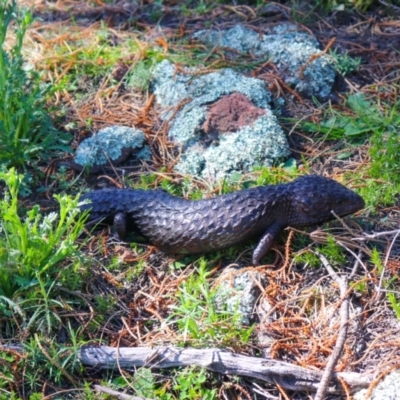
<point>26,131</point>
<point>94,57</point>
<point>88,61</point>
<point>44,360</point>
<point>334,253</point>
<point>190,383</point>
<point>40,261</point>
<point>37,255</point>
<point>372,122</point>
<point>199,318</point>
<point>362,118</point>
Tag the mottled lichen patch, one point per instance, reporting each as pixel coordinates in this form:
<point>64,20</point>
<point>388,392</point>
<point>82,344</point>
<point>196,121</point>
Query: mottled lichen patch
<point>297,55</point>
<point>238,290</point>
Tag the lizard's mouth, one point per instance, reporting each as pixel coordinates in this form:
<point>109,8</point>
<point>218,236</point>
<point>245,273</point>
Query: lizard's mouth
<point>353,206</point>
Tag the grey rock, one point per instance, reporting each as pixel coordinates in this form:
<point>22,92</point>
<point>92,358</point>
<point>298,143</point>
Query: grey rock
<point>387,389</point>
<point>115,143</point>
<point>238,291</point>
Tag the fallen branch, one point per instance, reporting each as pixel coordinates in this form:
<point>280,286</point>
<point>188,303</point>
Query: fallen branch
<point>288,376</point>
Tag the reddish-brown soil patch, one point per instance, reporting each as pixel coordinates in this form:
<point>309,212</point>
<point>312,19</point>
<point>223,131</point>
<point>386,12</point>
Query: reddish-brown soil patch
<point>231,113</point>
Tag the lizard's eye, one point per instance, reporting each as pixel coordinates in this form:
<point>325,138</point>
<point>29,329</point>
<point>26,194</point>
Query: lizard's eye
<point>339,202</point>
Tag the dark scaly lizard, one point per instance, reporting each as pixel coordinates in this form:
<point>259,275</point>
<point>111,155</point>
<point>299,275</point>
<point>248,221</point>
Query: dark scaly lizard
<point>176,225</point>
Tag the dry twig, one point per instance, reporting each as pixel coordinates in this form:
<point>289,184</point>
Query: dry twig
<point>115,393</point>
<point>344,318</point>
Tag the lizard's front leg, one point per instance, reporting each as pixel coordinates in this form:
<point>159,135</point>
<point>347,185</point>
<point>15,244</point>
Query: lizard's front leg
<point>266,241</point>
<point>120,225</point>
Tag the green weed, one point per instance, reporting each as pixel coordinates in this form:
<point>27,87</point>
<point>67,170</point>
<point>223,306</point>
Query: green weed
<point>376,260</point>
<point>37,255</point>
<point>331,250</point>
<point>201,7</point>
<point>26,131</point>
<point>364,118</point>
<point>143,381</point>
<point>105,304</point>
<point>394,303</point>
<point>344,64</point>
<point>140,76</point>
<point>89,59</point>
<point>190,383</point>
<point>361,287</point>
<point>274,176</point>
<point>382,183</point>
<point>40,359</point>
<point>200,320</point>
<point>387,283</point>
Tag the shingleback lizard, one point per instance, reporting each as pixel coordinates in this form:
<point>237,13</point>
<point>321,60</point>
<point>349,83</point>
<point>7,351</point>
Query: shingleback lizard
<point>176,225</point>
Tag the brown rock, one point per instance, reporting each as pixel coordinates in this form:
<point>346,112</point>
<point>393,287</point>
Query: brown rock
<point>230,113</point>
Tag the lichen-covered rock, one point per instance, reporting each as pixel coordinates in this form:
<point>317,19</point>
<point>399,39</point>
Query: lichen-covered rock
<point>260,142</point>
<point>296,54</point>
<point>115,144</point>
<point>387,389</point>
<point>238,291</point>
<point>257,144</point>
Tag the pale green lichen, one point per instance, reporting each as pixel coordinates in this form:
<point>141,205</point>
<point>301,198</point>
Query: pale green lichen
<point>387,389</point>
<point>238,292</point>
<point>288,48</point>
<point>261,143</point>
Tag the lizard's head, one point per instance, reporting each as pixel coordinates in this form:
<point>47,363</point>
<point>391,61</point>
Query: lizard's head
<point>313,197</point>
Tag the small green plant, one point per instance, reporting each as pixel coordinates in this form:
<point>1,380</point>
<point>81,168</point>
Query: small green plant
<point>200,320</point>
<point>191,384</point>
<point>308,258</point>
<point>376,260</point>
<point>8,365</point>
<point>344,64</point>
<point>361,287</point>
<point>201,8</point>
<point>37,254</point>
<point>274,176</point>
<point>144,382</point>
<point>140,76</point>
<point>104,304</point>
<point>332,251</point>
<point>362,5</point>
<point>394,303</point>
<point>26,131</point>
<point>382,184</point>
<point>39,359</point>
<point>364,117</point>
